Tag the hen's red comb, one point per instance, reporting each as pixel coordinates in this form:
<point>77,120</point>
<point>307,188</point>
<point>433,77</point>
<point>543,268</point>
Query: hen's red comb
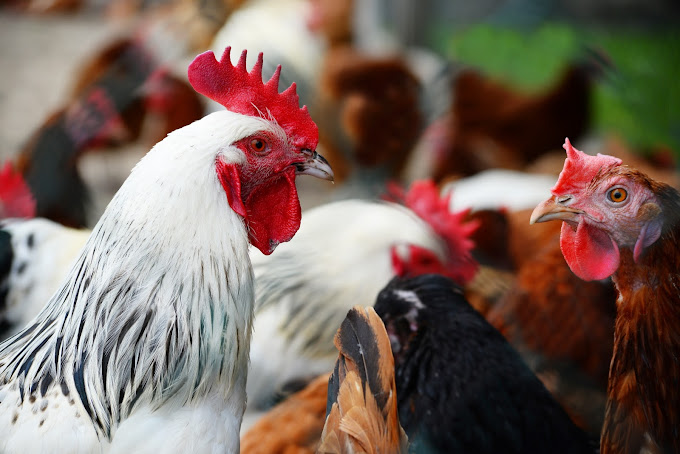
<point>244,92</point>
<point>423,198</point>
<point>16,200</point>
<point>580,168</point>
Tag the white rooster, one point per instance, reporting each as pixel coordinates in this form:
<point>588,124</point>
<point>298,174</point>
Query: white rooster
<point>144,347</point>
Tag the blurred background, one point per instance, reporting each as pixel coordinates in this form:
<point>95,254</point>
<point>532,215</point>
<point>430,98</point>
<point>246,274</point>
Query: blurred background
<point>477,96</point>
<point>401,89</point>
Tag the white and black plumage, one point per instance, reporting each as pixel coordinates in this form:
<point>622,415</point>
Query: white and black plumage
<point>144,347</point>
<point>292,286</point>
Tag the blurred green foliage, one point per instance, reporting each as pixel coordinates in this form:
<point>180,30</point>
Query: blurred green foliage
<point>638,99</point>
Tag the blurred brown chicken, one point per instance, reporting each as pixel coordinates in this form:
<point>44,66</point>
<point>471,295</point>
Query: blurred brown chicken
<point>564,324</point>
<point>369,114</point>
<point>495,126</point>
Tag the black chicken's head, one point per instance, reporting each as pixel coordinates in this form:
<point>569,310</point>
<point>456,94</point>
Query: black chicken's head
<point>409,306</point>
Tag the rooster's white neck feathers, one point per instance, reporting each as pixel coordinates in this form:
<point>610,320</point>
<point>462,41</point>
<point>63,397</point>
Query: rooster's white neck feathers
<point>149,314</point>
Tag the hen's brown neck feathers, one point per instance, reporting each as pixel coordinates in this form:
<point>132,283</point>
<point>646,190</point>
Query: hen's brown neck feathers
<point>644,396</point>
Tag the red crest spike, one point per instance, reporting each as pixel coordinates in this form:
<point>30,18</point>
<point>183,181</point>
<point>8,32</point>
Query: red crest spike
<point>580,168</point>
<point>256,72</point>
<point>241,61</point>
<point>274,80</point>
<point>244,92</point>
<point>292,91</point>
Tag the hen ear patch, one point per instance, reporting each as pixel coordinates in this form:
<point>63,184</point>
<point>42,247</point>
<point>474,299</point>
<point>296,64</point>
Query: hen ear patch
<point>231,182</point>
<point>651,231</point>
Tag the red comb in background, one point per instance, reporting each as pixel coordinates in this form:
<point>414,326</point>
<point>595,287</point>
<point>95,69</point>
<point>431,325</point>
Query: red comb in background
<point>244,92</point>
<point>16,200</point>
<point>580,168</point>
<point>424,199</point>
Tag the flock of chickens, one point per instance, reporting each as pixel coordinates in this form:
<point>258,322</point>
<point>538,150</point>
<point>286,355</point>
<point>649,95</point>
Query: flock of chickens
<point>447,317</point>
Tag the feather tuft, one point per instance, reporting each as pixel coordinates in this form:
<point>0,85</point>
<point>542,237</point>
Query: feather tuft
<point>361,409</point>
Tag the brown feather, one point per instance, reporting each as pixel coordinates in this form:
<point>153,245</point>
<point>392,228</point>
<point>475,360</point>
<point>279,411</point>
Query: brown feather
<point>362,414</point>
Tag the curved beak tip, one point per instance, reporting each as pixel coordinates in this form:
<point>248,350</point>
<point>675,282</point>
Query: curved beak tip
<point>550,210</point>
<point>316,166</point>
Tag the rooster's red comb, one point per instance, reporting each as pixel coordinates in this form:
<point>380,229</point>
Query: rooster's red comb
<point>580,168</point>
<point>424,199</point>
<point>244,92</point>
<point>16,200</point>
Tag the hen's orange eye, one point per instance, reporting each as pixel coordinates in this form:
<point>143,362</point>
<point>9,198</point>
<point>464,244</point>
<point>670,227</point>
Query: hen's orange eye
<point>617,195</point>
<point>258,144</point>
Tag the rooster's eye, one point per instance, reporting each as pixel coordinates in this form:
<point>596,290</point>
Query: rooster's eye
<point>617,195</point>
<point>258,145</point>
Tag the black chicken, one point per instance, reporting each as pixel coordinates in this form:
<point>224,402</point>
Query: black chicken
<point>461,387</point>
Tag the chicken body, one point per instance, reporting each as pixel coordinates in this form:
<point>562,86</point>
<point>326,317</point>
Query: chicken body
<point>144,347</point>
<point>460,386</point>
<point>619,222</point>
<point>293,340</point>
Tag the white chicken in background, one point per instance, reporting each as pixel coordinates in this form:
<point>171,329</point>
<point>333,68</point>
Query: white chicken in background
<point>144,347</point>
<point>499,188</point>
<point>38,252</point>
<point>343,254</point>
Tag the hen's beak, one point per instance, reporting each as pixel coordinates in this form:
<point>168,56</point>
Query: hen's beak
<point>315,165</point>
<point>554,209</point>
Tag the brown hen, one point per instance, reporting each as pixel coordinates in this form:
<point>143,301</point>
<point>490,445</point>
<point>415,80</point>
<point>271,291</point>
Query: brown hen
<point>619,222</point>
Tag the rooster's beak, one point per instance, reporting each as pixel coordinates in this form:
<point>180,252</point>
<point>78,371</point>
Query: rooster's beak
<point>315,165</point>
<point>555,209</point>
